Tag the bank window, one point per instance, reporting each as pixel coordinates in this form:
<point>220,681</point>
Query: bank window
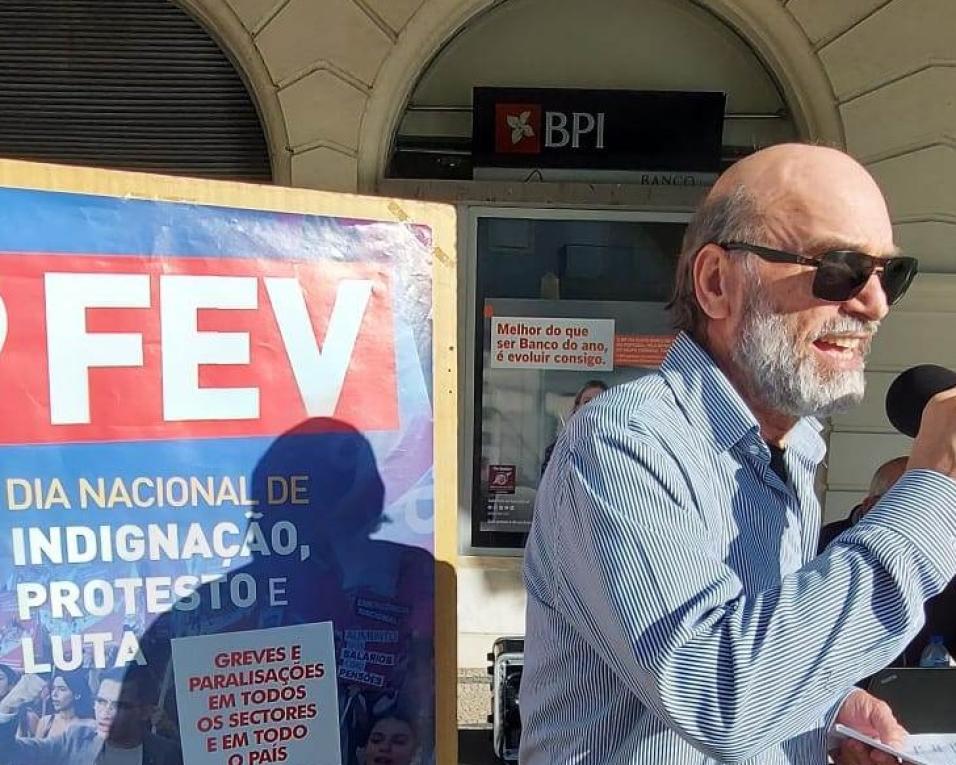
<point>565,307</point>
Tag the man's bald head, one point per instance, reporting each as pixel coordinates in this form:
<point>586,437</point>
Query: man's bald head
<point>792,196</point>
<point>800,181</point>
<point>794,169</point>
<point>883,479</point>
<point>886,475</point>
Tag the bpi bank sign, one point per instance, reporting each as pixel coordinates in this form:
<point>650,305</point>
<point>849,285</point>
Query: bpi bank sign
<point>597,129</point>
<point>525,128</point>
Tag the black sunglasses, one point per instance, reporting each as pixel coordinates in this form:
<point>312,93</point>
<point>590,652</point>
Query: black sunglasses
<point>841,274</point>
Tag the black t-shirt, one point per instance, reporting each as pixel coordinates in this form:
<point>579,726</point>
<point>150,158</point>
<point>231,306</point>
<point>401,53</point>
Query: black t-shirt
<point>777,465</point>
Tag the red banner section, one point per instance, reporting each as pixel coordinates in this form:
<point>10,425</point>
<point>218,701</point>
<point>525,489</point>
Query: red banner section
<point>142,348</point>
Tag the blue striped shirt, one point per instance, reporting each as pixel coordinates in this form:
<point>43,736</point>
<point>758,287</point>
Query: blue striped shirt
<point>676,612</point>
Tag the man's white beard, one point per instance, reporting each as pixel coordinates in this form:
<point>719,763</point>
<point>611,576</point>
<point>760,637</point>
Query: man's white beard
<point>783,375</point>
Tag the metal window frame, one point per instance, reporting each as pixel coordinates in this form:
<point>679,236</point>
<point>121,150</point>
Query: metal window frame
<point>469,215</point>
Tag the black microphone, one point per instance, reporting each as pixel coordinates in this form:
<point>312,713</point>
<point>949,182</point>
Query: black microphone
<point>910,393</point>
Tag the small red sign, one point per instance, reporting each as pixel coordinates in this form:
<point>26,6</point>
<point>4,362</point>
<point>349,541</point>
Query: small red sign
<point>641,350</point>
<point>518,128</point>
<point>501,479</point>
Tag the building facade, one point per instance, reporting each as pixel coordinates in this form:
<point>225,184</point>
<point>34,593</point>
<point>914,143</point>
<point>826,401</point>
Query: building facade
<point>334,81</point>
<point>374,97</point>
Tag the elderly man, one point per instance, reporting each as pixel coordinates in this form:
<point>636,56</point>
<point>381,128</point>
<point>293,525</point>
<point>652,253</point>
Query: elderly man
<point>676,613</point>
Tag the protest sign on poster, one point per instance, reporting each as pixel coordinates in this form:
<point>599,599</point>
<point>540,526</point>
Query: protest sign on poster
<point>219,417</point>
<point>255,697</point>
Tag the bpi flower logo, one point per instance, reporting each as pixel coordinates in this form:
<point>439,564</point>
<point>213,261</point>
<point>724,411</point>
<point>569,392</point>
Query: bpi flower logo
<point>517,128</point>
<point>520,128</point>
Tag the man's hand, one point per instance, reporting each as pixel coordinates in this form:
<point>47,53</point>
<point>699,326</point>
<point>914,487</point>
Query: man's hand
<point>935,445</point>
<point>26,690</point>
<point>873,718</point>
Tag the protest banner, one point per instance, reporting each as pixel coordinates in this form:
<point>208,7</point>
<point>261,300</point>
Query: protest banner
<point>223,414</point>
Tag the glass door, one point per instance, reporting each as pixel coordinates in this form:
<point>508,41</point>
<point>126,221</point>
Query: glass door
<point>566,304</point>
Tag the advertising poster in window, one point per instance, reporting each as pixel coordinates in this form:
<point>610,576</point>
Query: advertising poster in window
<point>218,433</point>
<point>543,360</point>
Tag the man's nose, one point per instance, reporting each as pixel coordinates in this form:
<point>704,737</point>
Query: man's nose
<point>870,302</point>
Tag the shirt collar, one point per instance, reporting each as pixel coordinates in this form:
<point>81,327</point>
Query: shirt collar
<point>713,406</point>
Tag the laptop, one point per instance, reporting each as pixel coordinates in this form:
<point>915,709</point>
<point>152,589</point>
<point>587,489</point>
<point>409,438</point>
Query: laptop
<point>923,699</point>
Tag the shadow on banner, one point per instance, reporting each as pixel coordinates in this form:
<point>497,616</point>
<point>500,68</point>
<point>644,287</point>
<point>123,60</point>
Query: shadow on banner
<point>309,555</point>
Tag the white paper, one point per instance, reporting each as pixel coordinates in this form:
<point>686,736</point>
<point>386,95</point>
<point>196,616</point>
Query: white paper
<point>933,748</point>
<point>919,749</point>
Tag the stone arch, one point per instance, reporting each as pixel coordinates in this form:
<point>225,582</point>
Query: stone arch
<point>765,25</point>
<point>222,24</point>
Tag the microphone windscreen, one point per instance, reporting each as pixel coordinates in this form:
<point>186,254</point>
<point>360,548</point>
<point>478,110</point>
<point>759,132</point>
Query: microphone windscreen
<point>911,391</point>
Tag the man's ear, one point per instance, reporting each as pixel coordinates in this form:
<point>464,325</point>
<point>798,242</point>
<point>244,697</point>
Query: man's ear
<point>712,281</point>
<point>863,508</point>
